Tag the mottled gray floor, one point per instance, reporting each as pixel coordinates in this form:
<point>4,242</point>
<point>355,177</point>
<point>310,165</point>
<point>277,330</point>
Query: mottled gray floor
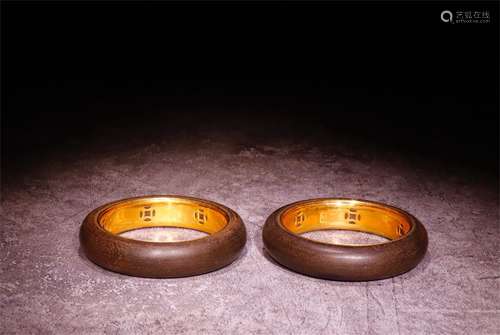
<point>48,286</point>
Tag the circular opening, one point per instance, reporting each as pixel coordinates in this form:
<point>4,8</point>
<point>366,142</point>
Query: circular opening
<point>345,237</point>
<point>134,218</point>
<point>346,215</point>
<point>164,234</point>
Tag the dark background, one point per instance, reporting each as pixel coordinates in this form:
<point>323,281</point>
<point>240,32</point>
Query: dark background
<point>386,74</point>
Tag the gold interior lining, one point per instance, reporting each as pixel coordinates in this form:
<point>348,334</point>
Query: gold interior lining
<point>163,212</point>
<point>347,215</point>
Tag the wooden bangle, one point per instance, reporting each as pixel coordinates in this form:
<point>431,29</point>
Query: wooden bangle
<point>282,240</point>
<point>100,240</point>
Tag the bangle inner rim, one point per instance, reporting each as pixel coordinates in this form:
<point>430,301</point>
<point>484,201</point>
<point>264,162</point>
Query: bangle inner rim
<point>346,215</point>
<point>163,212</point>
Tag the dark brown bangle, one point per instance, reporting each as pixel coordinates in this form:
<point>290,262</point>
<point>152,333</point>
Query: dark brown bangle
<point>407,247</point>
<point>101,243</point>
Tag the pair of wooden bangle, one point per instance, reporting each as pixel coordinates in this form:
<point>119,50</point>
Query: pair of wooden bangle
<point>101,242</point>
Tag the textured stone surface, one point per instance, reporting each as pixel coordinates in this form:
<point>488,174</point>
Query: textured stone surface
<point>48,286</point>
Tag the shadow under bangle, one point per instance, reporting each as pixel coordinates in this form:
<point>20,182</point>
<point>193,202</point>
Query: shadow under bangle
<point>100,240</point>
<point>282,240</point>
